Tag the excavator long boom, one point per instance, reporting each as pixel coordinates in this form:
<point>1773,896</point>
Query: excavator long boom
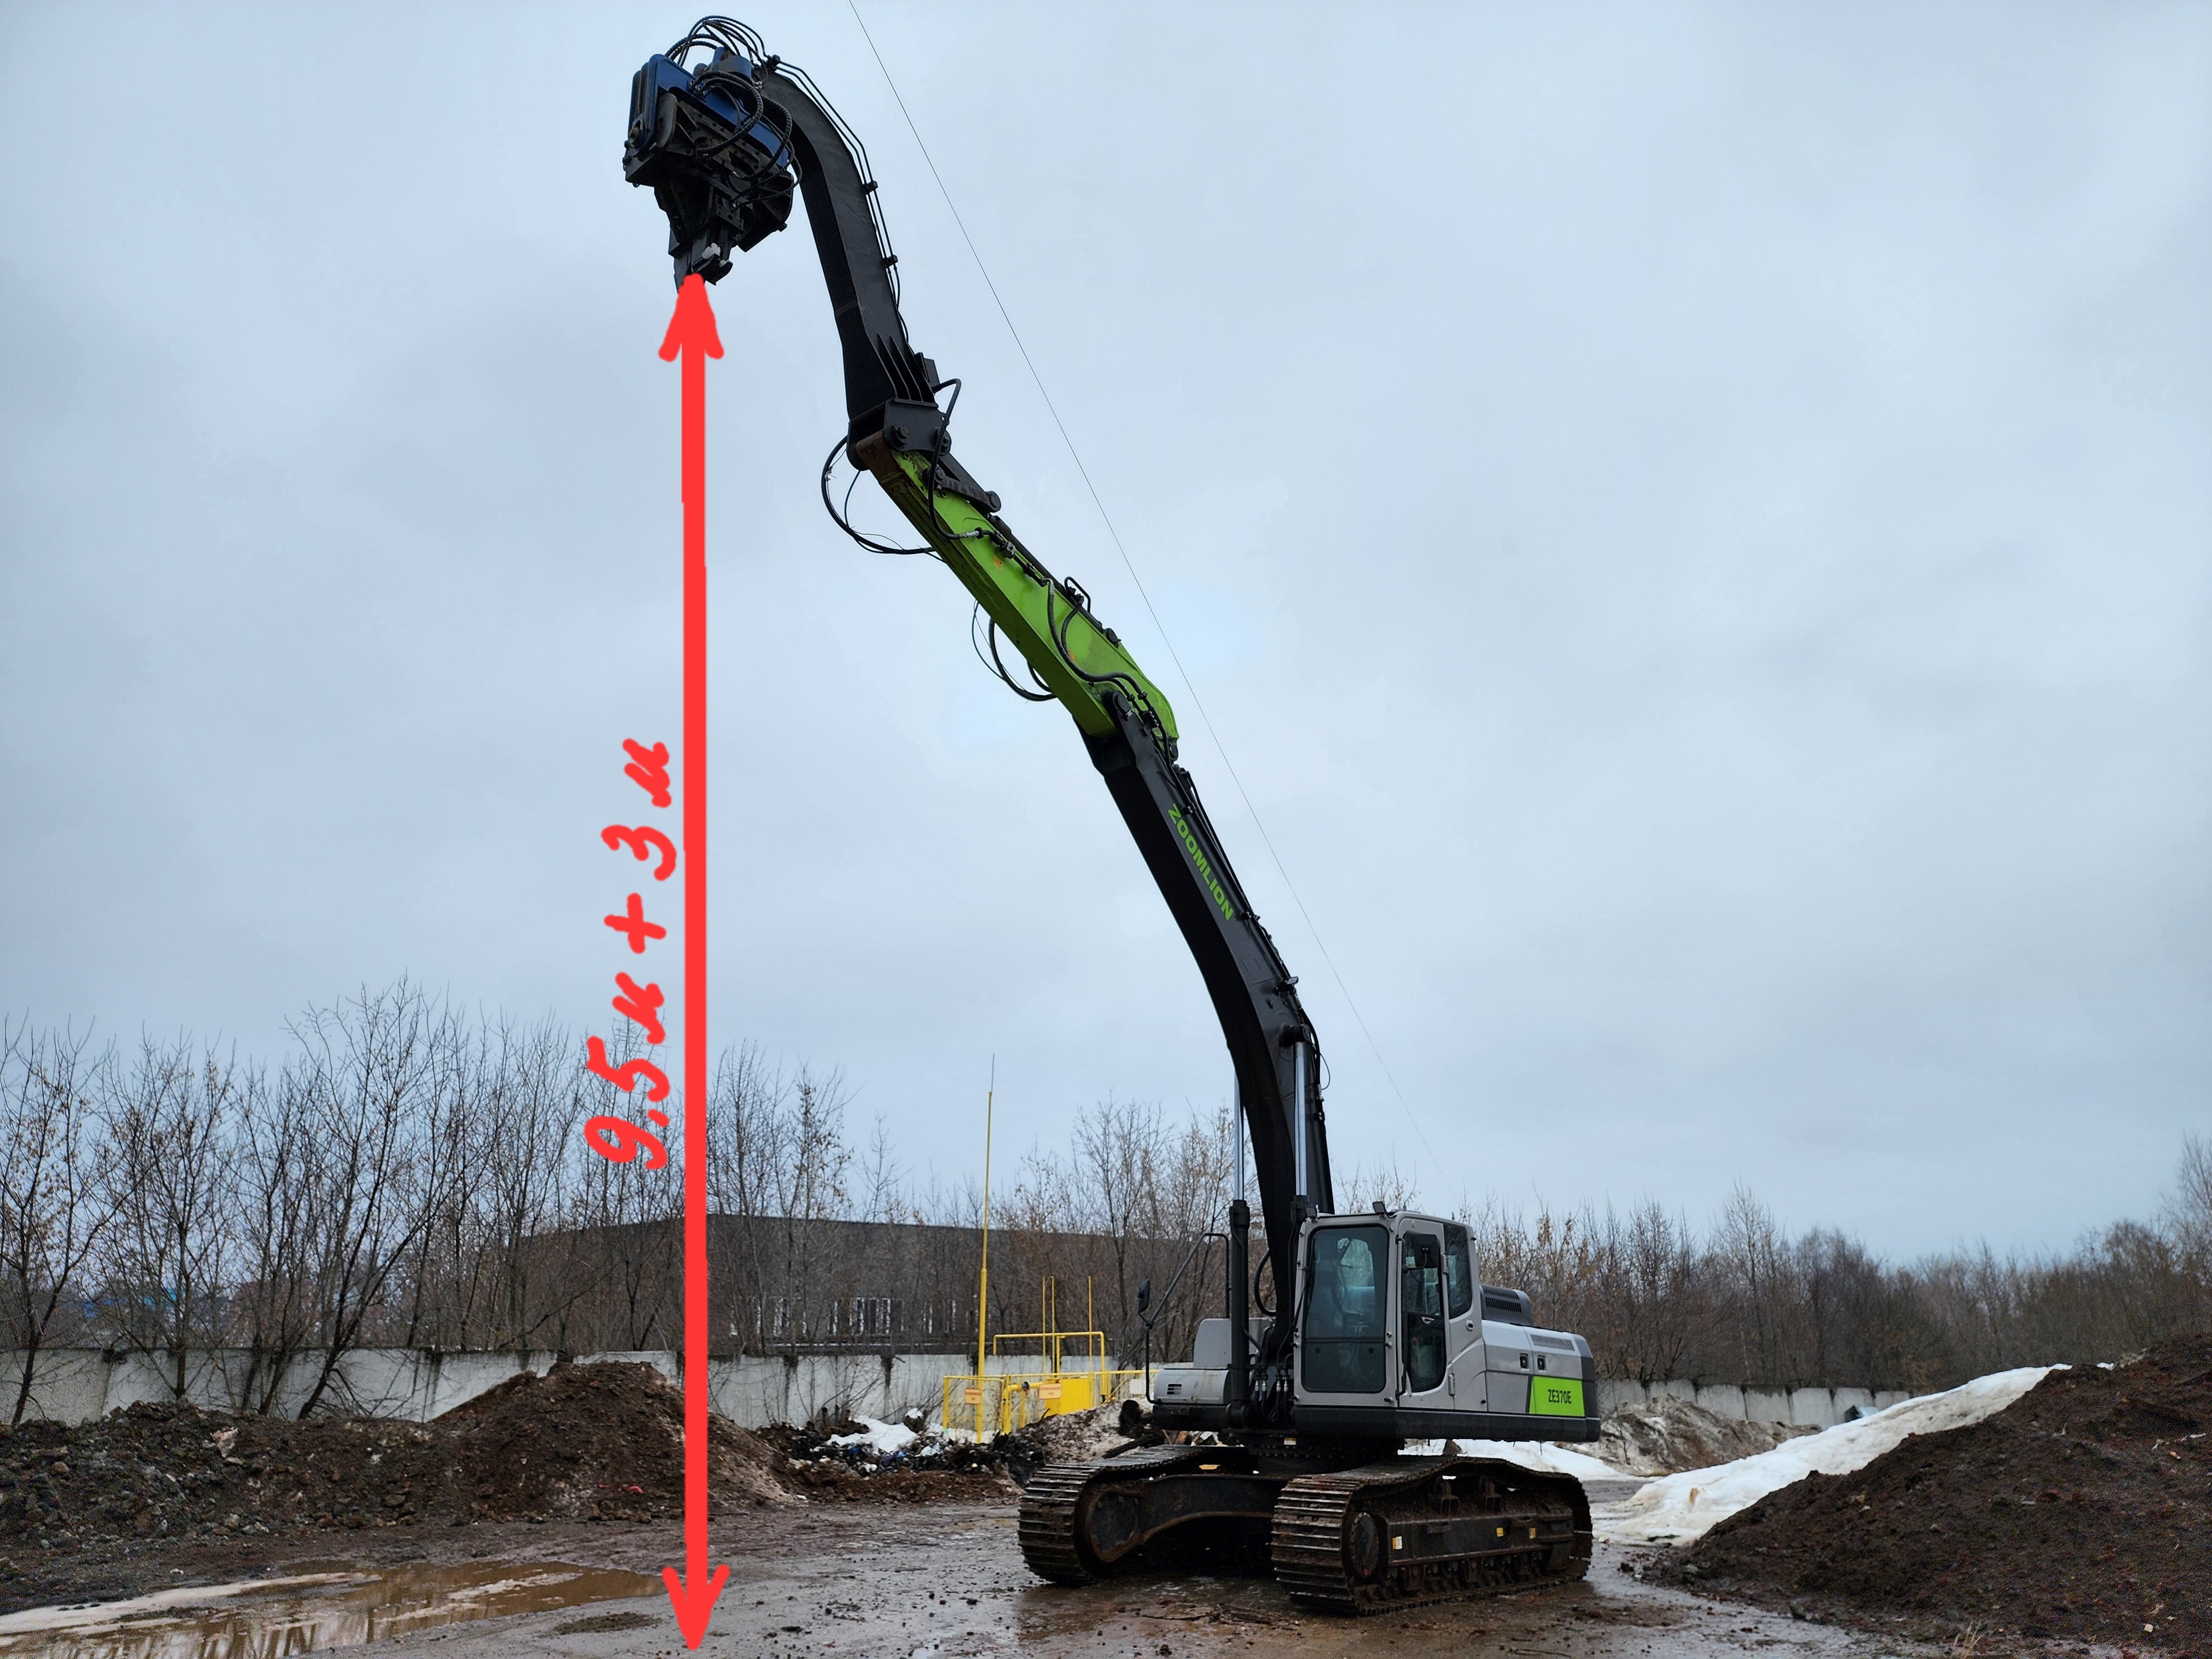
<point>1382,1333</point>
<point>724,145</point>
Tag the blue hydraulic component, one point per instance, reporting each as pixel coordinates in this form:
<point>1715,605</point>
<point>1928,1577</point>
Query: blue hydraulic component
<point>716,155</point>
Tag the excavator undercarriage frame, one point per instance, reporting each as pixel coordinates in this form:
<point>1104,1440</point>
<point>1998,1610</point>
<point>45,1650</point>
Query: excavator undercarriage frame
<point>1357,1528</point>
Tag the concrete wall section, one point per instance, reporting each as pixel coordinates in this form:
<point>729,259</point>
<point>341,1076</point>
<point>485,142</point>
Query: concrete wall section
<point>1766,1406</point>
<point>76,1385</point>
<point>1810,1408</point>
<point>1722,1399</point>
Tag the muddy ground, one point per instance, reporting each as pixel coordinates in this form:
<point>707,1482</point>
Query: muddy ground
<point>935,1583</point>
<point>2081,1515</point>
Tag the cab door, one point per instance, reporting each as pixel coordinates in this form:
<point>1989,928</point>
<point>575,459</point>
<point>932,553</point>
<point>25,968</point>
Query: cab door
<point>1345,1343</point>
<point>1464,1383</point>
<point>1422,1351</point>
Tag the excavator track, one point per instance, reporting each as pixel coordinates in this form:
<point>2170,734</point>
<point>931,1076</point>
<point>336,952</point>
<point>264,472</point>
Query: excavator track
<point>1387,1535</point>
<point>1053,1509</point>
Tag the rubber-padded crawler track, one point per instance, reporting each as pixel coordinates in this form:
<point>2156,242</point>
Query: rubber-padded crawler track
<point>1313,1546</point>
<point>1052,1504</point>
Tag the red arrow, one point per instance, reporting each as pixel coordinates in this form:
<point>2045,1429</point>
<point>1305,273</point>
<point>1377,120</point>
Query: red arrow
<point>691,331</point>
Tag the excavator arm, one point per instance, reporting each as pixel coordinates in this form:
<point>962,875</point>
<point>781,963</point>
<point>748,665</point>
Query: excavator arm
<point>726,134</point>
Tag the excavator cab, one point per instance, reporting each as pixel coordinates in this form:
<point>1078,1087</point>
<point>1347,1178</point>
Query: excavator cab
<point>1395,1338</point>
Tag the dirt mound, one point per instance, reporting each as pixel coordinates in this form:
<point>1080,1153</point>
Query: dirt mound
<point>1667,1436</point>
<point>165,1471</point>
<point>601,1442</point>
<point>2083,1511</point>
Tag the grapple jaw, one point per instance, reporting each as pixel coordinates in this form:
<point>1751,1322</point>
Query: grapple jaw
<point>716,155</point>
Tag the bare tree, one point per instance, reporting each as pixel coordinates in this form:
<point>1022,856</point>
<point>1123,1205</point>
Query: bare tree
<point>167,1123</point>
<point>1362,1185</point>
<point>371,1072</point>
<point>274,1213</point>
<point>526,1175</point>
<point>808,1183</point>
<point>55,1204</point>
<point>2189,1211</point>
<point>1119,1147</point>
<point>1755,1264</point>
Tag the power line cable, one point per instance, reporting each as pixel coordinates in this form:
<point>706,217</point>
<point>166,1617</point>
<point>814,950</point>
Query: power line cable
<point>1129,564</point>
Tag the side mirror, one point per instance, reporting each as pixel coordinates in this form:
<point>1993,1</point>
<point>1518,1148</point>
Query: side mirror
<point>1144,1296</point>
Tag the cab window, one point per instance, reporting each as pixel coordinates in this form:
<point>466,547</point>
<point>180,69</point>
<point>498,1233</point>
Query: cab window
<point>1348,1284</point>
<point>1422,1297</point>
<point>1458,1273</point>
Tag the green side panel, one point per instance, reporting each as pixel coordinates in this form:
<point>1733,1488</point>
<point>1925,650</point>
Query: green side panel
<point>1015,599</point>
<point>1555,1396</point>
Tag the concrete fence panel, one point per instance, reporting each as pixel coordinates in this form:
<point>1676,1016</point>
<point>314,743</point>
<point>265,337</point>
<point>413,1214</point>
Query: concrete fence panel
<point>1614,1393</point>
<point>1765,1405</point>
<point>76,1385</point>
<point>1722,1399</point>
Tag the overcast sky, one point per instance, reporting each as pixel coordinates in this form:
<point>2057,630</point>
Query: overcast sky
<point>1692,523</point>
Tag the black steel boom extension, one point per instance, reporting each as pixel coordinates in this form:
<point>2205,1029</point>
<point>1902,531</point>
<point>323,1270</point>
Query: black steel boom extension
<point>719,146</point>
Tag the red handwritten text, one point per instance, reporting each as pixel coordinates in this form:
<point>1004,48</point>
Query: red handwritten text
<point>642,1005</point>
<point>648,768</point>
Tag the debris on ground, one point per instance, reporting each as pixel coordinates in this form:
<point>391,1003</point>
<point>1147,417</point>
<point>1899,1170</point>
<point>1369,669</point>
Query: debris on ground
<point>1666,1436</point>
<point>863,1460</point>
<point>593,1443</point>
<point>1677,1508</point>
<point>1069,1437</point>
<point>2081,1511</point>
<point>827,1456</point>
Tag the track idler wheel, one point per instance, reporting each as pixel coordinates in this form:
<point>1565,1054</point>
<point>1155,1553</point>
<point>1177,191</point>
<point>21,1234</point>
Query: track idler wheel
<point>1364,1548</point>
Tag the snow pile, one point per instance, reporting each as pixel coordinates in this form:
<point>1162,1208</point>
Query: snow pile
<point>1545,1456</point>
<point>1680,1507</point>
<point>882,1438</point>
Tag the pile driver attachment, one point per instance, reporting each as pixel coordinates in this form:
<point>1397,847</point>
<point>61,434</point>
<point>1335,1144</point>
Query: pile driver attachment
<point>1376,1337</point>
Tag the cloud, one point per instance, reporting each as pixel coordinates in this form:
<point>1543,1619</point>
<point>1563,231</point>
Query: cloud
<point>1691,524</point>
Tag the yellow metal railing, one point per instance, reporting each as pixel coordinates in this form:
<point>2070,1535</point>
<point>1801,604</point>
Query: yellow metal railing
<point>1005,1402</point>
<point>1002,1402</point>
<point>1052,1346</point>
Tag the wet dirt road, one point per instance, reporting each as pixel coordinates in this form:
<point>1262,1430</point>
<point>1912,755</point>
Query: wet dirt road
<point>944,1580</point>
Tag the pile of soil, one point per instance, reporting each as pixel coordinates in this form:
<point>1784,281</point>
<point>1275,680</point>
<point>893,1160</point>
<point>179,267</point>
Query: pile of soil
<point>2083,1511</point>
<point>1667,1436</point>
<point>599,1442</point>
<point>163,1472</point>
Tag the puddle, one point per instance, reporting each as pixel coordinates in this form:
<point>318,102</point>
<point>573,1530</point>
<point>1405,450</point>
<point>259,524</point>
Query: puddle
<point>338,1607</point>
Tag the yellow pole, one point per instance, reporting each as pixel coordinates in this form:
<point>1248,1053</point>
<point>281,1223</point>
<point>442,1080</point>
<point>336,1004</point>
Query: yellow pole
<point>983,1279</point>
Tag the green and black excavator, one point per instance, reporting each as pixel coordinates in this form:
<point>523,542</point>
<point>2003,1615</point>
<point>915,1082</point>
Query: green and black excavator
<point>1379,1334</point>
